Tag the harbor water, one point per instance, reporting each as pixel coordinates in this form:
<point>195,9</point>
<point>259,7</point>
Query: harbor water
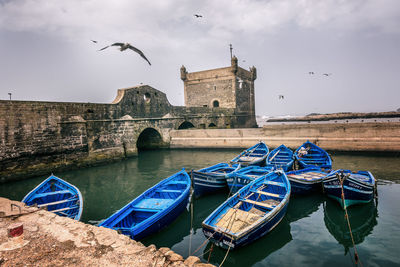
<point>313,232</point>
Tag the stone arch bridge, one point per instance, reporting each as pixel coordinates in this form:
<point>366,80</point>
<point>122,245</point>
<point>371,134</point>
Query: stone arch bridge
<point>40,137</point>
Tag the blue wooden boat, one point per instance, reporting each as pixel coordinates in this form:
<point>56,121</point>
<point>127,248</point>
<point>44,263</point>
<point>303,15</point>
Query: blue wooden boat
<point>309,154</point>
<point>281,158</point>
<point>244,176</point>
<point>57,196</point>
<point>358,187</point>
<point>212,179</point>
<point>251,213</point>
<point>254,155</point>
<point>153,209</point>
<point>307,180</point>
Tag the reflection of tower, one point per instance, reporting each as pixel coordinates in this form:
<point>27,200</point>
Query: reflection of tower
<point>230,87</point>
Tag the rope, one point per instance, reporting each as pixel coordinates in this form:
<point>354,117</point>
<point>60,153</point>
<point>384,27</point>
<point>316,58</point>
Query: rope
<point>226,255</point>
<point>341,180</point>
<point>209,255</point>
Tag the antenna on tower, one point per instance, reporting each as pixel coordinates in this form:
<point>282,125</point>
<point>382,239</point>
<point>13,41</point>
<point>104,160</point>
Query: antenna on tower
<point>230,48</point>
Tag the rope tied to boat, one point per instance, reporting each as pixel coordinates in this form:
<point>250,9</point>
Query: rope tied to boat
<point>342,177</point>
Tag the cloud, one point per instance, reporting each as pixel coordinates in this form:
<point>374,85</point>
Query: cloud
<point>173,20</point>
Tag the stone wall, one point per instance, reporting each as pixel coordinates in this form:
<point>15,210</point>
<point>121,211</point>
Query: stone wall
<point>367,137</point>
<point>41,137</point>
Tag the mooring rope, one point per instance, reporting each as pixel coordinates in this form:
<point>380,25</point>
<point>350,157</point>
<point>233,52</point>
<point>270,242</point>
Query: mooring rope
<point>341,178</point>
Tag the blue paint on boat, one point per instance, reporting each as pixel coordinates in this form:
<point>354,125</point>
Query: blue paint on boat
<point>154,209</point>
<point>212,179</point>
<point>244,176</point>
<point>251,213</point>
<point>307,180</point>
<point>280,158</point>
<point>57,196</point>
<point>358,187</point>
<point>315,156</point>
<point>254,155</point>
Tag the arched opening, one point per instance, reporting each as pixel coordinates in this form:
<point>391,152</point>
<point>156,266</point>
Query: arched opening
<point>215,103</point>
<point>212,125</point>
<point>149,139</point>
<point>185,125</point>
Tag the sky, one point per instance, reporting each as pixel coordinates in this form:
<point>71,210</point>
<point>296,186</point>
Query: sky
<point>46,52</point>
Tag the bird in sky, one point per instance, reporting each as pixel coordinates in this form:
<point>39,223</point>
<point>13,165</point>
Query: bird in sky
<point>124,46</point>
<point>94,41</point>
<point>281,97</point>
<point>198,16</point>
<point>311,73</point>
<point>327,74</point>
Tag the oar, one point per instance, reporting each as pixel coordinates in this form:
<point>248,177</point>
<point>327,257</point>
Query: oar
<point>277,152</point>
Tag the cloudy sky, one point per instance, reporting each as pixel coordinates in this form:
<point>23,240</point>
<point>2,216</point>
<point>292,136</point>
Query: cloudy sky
<point>46,51</point>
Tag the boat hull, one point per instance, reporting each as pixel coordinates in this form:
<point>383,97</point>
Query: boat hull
<point>300,187</point>
<point>249,214</point>
<point>154,209</point>
<point>208,183</point>
<point>225,242</point>
<point>164,220</point>
<point>355,191</point>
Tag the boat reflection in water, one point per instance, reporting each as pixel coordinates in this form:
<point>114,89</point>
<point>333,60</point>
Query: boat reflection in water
<point>301,206</point>
<point>362,220</point>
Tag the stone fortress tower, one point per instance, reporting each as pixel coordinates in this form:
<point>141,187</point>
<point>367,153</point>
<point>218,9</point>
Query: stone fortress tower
<point>231,87</point>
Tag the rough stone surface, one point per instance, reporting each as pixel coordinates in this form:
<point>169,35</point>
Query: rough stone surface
<point>51,240</point>
<point>191,260</point>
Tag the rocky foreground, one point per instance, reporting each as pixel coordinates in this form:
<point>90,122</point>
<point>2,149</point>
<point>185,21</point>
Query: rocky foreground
<point>51,240</point>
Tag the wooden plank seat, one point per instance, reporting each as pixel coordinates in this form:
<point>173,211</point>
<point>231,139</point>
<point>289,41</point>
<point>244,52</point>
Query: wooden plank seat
<point>58,202</point>
<point>274,183</point>
<point>64,209</point>
<point>169,191</point>
<point>266,193</point>
<point>177,182</point>
<point>262,204</point>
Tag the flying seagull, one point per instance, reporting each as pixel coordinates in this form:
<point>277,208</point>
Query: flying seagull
<point>198,16</point>
<point>281,96</point>
<point>327,74</point>
<point>311,72</point>
<point>124,46</point>
<point>94,41</point>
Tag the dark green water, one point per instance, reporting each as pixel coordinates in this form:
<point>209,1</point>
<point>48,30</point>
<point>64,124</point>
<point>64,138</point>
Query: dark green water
<point>313,231</point>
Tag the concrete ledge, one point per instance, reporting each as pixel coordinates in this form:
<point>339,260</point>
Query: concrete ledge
<point>383,137</point>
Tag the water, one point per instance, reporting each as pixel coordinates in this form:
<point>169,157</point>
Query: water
<point>313,231</point>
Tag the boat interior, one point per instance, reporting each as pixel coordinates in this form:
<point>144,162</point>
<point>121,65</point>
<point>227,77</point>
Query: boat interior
<point>249,206</point>
<point>55,197</point>
<point>149,204</point>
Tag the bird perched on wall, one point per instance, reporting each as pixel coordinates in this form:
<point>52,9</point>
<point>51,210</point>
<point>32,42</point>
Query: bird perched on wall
<point>281,97</point>
<point>198,16</point>
<point>124,46</point>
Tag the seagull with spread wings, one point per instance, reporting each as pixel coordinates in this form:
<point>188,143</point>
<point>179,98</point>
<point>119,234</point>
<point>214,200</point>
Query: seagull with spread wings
<point>198,15</point>
<point>124,46</point>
